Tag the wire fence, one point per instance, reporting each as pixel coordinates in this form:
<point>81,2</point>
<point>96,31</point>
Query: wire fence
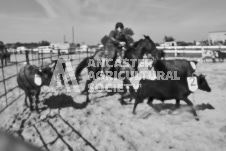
<point>9,90</point>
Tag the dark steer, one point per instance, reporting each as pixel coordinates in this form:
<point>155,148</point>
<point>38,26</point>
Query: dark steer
<point>220,55</point>
<point>167,90</point>
<point>30,79</point>
<point>184,68</point>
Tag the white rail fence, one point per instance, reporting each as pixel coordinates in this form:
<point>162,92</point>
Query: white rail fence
<point>188,51</point>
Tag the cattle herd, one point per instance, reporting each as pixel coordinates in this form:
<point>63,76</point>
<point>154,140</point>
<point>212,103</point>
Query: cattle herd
<point>31,78</point>
<point>213,55</point>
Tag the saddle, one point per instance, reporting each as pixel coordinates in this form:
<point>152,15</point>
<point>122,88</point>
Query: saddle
<point>119,59</point>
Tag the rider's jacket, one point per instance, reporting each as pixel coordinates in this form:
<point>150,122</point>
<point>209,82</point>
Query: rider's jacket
<point>115,37</point>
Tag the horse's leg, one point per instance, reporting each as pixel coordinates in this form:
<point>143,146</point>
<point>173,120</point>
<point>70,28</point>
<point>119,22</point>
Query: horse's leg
<point>131,90</point>
<point>127,82</point>
<point>86,89</point>
<point>91,78</point>
<point>87,97</point>
<point>62,79</point>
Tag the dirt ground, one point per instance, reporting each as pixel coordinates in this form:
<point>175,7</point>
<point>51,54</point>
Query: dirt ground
<point>69,123</point>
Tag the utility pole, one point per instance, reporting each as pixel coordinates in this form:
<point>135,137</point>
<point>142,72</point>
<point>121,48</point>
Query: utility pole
<point>64,39</point>
<point>73,40</point>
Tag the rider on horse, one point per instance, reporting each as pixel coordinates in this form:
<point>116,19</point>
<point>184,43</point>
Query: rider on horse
<point>116,43</point>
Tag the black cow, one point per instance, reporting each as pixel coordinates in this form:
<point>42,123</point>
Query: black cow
<point>184,68</point>
<point>220,55</point>
<point>167,90</point>
<point>30,79</point>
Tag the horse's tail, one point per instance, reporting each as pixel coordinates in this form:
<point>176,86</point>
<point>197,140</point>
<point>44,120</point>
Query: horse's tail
<point>80,67</point>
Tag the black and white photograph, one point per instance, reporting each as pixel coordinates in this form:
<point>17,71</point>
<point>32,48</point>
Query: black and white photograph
<point>112,75</point>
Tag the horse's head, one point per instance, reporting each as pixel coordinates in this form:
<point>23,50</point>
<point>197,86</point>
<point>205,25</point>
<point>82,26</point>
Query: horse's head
<point>151,50</point>
<point>158,54</point>
<point>146,45</point>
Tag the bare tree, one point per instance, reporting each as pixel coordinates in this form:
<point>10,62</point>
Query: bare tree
<point>168,38</point>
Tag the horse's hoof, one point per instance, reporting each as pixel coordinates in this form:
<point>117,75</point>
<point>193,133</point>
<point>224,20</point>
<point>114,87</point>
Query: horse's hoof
<point>134,113</point>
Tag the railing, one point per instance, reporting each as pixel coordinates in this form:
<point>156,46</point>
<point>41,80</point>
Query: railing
<point>9,91</point>
<point>188,51</point>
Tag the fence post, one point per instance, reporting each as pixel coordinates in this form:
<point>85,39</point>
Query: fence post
<point>58,53</point>
<point>51,55</point>
<point>32,54</point>
<point>4,83</point>
<point>68,53</point>
<point>38,58</point>
<point>79,56</point>
<point>202,50</point>
<point>27,57</point>
<point>175,51</point>
<point>86,52</point>
<point>42,58</point>
<point>17,68</point>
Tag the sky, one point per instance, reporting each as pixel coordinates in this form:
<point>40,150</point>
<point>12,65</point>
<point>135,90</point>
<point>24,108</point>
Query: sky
<point>36,20</point>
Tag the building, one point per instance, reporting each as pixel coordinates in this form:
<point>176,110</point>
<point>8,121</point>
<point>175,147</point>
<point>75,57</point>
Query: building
<point>83,48</point>
<point>21,49</point>
<point>63,47</point>
<point>72,48</point>
<point>217,37</point>
<point>171,43</point>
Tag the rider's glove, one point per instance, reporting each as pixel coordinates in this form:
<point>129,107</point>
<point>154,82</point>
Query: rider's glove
<point>122,43</point>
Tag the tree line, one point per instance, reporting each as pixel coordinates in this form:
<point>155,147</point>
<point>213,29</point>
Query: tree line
<point>28,45</point>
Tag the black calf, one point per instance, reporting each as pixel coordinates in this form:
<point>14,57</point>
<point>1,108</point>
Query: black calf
<point>167,90</point>
<point>220,55</point>
<point>26,81</point>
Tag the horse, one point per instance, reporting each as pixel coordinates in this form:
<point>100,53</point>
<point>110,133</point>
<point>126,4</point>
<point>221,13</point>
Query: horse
<point>135,52</point>
<point>4,54</point>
